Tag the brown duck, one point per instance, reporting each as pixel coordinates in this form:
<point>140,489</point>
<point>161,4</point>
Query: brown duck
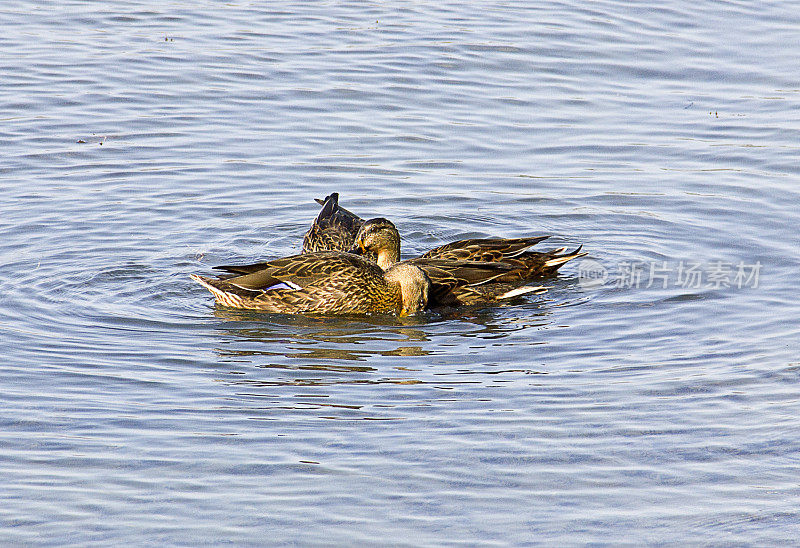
<point>468,271</point>
<point>325,282</point>
<point>380,236</point>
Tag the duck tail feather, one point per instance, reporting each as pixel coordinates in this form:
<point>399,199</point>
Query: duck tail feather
<point>561,259</point>
<point>219,294</point>
<point>329,206</point>
<point>228,298</point>
<point>524,290</point>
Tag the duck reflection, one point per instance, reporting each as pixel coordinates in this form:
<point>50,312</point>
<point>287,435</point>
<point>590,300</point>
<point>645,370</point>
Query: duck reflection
<point>333,343</point>
<point>278,363</point>
<point>246,333</point>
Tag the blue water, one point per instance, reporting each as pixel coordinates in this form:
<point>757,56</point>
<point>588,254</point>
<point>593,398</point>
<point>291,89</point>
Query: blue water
<point>143,141</point>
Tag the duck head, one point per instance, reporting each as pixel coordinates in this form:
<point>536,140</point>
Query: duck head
<point>380,237</point>
<point>414,286</point>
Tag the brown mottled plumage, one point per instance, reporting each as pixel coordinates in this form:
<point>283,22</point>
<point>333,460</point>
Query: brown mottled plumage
<point>469,271</point>
<point>384,247</point>
<point>380,236</point>
<point>459,283</point>
<point>334,229</point>
<point>484,249</point>
<point>453,281</point>
<point>321,283</point>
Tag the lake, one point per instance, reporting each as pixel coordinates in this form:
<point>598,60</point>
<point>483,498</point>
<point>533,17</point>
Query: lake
<point>649,397</point>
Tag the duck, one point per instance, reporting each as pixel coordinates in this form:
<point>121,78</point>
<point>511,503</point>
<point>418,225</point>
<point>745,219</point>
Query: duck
<point>447,283</point>
<point>321,282</point>
<point>468,272</point>
<point>382,241</point>
<point>381,238</point>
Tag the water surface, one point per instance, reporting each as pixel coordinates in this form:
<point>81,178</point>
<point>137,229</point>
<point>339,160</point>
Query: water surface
<point>144,141</point>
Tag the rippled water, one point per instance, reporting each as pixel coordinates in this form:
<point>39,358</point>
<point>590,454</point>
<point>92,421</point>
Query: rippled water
<point>143,141</point>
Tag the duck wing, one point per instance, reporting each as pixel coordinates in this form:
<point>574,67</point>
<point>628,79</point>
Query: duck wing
<point>533,264</point>
<point>450,277</point>
<point>300,271</point>
<point>483,249</point>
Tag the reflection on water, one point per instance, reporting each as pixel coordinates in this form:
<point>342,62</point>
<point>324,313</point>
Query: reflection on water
<point>281,350</point>
<point>249,333</point>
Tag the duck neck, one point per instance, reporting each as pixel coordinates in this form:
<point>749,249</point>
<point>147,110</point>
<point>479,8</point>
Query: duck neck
<point>388,257</point>
<point>390,254</point>
<point>408,287</point>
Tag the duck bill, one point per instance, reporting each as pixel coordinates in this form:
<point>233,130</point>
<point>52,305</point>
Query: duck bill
<point>406,310</point>
<point>358,248</point>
